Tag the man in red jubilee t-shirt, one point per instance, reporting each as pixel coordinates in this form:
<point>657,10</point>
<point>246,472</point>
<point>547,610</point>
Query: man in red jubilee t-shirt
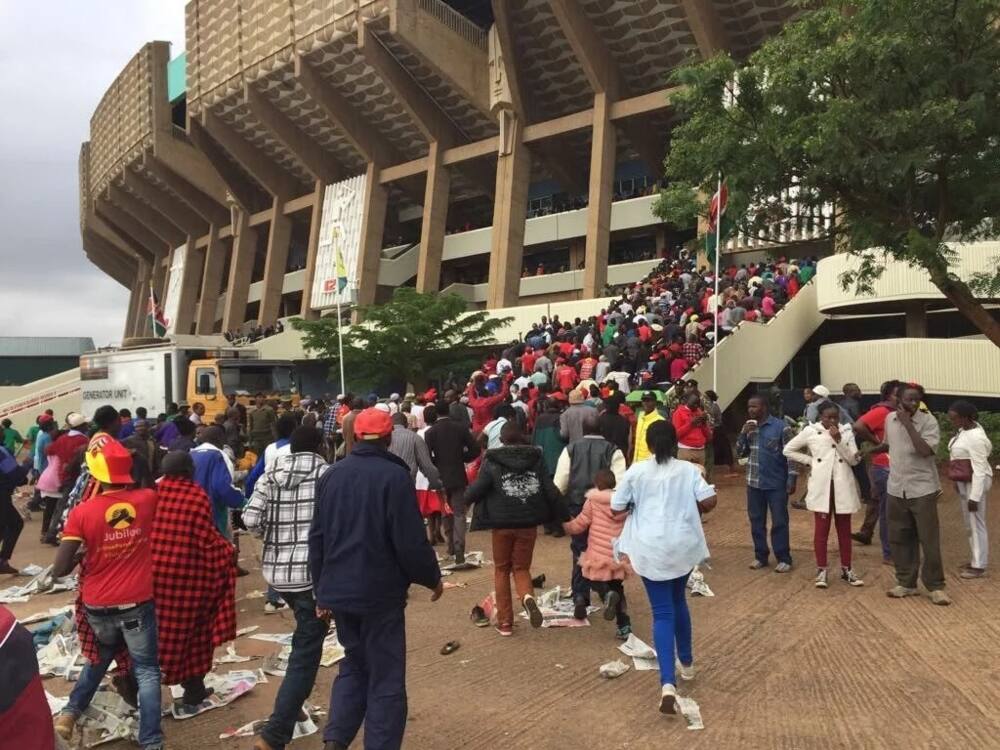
<point>114,526</point>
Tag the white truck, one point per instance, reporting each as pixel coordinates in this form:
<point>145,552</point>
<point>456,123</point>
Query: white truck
<point>203,369</point>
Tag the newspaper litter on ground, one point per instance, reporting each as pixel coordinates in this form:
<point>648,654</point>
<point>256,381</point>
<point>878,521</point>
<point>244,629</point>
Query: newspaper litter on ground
<point>56,704</point>
<point>643,655</point>
<point>110,718</point>
<point>691,712</point>
<point>282,639</point>
<point>303,728</point>
<point>247,630</point>
<point>277,663</point>
<point>47,615</point>
<point>472,560</point>
<point>227,688</point>
<point>696,582</point>
<point>613,669</point>
<point>556,606</point>
<point>41,583</point>
<point>231,657</point>
<point>61,657</point>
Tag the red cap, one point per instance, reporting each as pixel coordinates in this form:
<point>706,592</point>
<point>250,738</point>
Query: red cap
<point>372,424</point>
<point>43,418</point>
<point>430,394</point>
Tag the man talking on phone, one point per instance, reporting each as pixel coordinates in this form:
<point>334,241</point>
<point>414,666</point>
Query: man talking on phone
<point>770,480</point>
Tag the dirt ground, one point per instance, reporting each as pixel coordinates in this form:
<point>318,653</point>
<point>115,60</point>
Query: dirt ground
<point>780,664</point>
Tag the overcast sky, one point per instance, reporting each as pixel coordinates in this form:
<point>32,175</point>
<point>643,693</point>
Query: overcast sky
<point>57,58</point>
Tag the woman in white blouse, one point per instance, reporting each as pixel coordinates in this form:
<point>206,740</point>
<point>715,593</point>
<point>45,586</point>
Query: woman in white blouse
<point>663,541</point>
<point>971,444</point>
<point>833,491</point>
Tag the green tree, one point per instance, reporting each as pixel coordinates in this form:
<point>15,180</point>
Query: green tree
<point>888,109</point>
<point>415,336</point>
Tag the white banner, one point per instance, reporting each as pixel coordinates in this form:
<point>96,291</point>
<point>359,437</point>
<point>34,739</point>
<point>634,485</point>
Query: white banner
<point>172,299</point>
<point>340,229</point>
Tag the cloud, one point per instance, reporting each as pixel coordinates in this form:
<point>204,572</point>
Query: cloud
<point>58,60</point>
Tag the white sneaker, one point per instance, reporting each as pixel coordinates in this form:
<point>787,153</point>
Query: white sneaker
<point>686,673</point>
<point>820,581</point>
<point>668,699</point>
<point>270,609</point>
<point>848,576</point>
<point>782,567</point>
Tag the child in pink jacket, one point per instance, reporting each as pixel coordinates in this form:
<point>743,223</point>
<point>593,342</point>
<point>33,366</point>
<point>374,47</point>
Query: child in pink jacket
<point>598,561</point>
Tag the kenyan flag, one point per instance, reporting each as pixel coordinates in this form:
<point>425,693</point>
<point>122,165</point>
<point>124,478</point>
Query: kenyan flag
<point>716,214</point>
<point>155,312</point>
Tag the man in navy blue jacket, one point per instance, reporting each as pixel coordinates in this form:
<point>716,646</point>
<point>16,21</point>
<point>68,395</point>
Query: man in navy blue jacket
<point>367,545</point>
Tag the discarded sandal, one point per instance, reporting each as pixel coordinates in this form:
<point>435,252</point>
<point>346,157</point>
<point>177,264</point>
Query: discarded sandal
<point>449,648</point>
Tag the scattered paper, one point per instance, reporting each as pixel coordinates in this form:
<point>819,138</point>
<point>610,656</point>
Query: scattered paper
<point>55,704</point>
<point>277,663</point>
<point>247,630</point>
<point>691,712</point>
<point>643,655</point>
<point>450,585</point>
<point>472,560</point>
<point>557,607</point>
<point>332,651</point>
<point>47,615</point>
<point>231,657</point>
<point>254,595</point>
<point>61,657</point>
<point>41,582</point>
<point>283,639</point>
<point>111,717</point>
<point>31,570</point>
<point>227,688</point>
<point>696,582</point>
<point>613,669</point>
<point>302,729</point>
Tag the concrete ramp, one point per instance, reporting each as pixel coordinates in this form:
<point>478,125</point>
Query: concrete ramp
<point>60,392</point>
<point>757,353</point>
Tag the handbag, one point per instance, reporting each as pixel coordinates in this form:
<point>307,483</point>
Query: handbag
<point>960,470</point>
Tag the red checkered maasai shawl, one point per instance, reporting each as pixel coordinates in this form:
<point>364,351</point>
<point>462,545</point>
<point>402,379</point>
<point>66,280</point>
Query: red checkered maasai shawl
<point>194,581</point>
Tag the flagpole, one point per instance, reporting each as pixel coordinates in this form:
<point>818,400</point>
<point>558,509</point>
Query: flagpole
<point>340,345</point>
<point>715,312</point>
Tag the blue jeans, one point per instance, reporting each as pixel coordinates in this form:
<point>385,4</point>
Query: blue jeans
<point>758,504</point>
<point>371,685</point>
<point>272,596</point>
<point>880,481</point>
<point>137,628</point>
<point>671,624</point>
<point>303,663</point>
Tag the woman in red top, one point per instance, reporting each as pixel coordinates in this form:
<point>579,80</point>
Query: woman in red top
<point>693,430</point>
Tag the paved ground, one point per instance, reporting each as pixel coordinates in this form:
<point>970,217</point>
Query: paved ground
<point>781,665</point>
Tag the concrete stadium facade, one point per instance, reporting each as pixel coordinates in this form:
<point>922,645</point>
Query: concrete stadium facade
<point>480,137</point>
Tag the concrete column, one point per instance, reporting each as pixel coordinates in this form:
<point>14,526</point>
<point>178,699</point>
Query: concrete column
<point>916,320</point>
<point>577,254</point>
<point>160,272</point>
<point>211,280</point>
<point>278,238</point>
<point>434,220</point>
<point>602,175</point>
<point>188,288</point>
<point>315,220</point>
<point>510,208</point>
<point>133,312</point>
<point>372,230</point>
<point>240,272</point>
<point>142,300</point>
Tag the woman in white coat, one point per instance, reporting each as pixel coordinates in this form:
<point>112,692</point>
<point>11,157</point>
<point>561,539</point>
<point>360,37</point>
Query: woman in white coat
<point>971,447</point>
<point>830,451</point>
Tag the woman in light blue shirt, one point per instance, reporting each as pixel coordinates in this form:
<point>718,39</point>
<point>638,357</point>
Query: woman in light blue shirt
<point>663,539</point>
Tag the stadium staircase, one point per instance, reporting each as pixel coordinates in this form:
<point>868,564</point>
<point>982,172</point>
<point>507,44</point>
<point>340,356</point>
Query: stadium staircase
<point>757,353</point>
<point>59,392</point>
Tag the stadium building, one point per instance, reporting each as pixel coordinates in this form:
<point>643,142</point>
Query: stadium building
<point>505,150</point>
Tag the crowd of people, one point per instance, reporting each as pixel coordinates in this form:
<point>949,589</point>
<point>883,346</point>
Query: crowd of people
<point>586,429</point>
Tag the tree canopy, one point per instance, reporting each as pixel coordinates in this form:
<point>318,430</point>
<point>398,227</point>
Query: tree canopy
<point>414,336</point>
<point>888,109</point>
